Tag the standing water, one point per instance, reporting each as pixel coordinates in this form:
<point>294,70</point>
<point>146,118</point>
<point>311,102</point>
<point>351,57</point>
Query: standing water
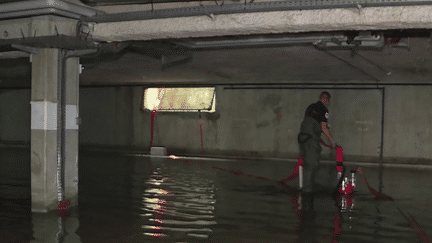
<point>127,198</point>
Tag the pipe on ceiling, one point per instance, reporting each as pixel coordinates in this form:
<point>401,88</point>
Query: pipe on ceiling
<point>365,40</point>
<point>13,54</point>
<point>39,7</point>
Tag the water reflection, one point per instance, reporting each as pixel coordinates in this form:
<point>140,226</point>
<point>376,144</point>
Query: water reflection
<point>15,220</point>
<point>309,224</point>
<point>122,200</point>
<point>178,206</point>
<point>55,227</point>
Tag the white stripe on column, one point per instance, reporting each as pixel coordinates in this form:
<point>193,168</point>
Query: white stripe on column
<point>71,117</point>
<point>43,115</point>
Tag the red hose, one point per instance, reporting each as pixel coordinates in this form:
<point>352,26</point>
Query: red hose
<point>378,195</point>
<point>339,160</point>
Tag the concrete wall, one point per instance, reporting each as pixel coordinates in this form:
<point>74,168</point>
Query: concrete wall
<point>106,116</point>
<point>248,122</point>
<point>265,122</point>
<point>356,122</point>
<point>408,122</point>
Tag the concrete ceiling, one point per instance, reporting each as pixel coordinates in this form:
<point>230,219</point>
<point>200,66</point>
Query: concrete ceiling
<point>300,64</point>
<point>145,62</point>
<point>268,65</point>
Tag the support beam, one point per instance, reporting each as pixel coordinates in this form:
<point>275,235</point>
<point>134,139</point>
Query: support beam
<point>37,26</point>
<point>369,18</point>
<point>44,100</point>
<point>54,130</point>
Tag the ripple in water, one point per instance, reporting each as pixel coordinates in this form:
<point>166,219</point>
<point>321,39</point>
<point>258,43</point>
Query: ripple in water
<point>178,207</point>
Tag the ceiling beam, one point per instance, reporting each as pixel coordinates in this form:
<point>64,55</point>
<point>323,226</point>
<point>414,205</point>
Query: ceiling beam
<point>60,41</point>
<point>13,54</point>
<point>373,18</point>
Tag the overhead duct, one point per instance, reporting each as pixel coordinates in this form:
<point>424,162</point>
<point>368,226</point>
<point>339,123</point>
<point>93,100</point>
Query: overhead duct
<point>323,42</point>
<point>361,42</point>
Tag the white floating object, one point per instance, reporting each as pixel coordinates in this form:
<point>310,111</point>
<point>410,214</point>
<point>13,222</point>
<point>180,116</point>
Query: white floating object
<point>158,151</point>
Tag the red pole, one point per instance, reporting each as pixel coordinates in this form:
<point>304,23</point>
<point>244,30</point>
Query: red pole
<point>152,122</point>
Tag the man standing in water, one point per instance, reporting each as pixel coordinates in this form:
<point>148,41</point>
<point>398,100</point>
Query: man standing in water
<point>314,123</point>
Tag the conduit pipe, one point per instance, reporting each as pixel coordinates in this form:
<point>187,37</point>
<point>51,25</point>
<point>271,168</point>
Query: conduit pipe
<point>61,123</point>
<point>41,7</point>
<point>367,41</point>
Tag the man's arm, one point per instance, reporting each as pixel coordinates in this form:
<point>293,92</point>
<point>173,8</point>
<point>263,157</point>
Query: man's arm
<point>325,130</point>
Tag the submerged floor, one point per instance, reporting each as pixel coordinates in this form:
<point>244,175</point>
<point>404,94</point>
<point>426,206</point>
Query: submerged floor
<point>126,198</point>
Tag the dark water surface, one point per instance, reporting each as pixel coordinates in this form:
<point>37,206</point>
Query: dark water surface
<point>125,198</point>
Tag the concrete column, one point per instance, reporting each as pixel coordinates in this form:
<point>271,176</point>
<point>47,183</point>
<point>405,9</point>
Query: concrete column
<point>71,139</point>
<point>45,75</point>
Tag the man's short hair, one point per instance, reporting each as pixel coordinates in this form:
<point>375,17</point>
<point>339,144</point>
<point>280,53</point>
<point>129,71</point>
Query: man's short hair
<point>325,93</point>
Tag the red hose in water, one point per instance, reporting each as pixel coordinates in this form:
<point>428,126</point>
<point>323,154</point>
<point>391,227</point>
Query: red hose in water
<point>300,162</point>
<point>339,159</point>
<point>416,226</point>
<point>339,168</point>
<point>378,195</point>
<point>295,173</point>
